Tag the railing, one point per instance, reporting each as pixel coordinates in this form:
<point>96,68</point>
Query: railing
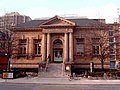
<point>47,63</point>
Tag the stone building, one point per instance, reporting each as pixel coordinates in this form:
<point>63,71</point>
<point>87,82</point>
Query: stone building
<point>65,40</point>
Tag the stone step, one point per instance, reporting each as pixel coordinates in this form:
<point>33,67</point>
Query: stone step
<point>53,70</point>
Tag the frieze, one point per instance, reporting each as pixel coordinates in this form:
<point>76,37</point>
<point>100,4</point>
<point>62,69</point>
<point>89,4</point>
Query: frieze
<point>57,30</point>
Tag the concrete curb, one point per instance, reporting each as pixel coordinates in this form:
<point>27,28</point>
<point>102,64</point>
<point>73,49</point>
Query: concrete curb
<point>59,81</point>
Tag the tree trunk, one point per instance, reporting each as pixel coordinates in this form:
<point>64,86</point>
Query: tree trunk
<point>102,65</point>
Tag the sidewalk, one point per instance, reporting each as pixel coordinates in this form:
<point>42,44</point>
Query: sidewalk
<point>60,81</point>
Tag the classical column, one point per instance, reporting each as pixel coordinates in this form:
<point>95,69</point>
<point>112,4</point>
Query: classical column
<point>43,47</point>
<point>70,47</point>
<point>48,44</point>
<point>66,48</point>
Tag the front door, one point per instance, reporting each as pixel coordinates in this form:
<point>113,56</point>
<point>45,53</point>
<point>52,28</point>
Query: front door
<point>58,55</point>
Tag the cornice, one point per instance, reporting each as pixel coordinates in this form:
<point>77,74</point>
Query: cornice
<point>27,29</point>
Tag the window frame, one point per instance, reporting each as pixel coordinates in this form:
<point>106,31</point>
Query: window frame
<point>96,49</point>
<point>37,47</point>
<point>96,46</point>
<point>80,42</point>
<point>22,47</point>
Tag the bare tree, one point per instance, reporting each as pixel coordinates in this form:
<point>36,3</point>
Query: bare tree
<point>98,39</point>
<point>9,39</point>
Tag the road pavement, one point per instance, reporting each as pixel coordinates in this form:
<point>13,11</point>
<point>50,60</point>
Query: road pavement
<point>37,86</point>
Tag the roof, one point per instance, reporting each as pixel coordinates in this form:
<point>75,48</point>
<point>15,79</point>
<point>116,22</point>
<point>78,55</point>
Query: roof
<point>31,24</point>
<point>78,22</point>
<point>86,22</point>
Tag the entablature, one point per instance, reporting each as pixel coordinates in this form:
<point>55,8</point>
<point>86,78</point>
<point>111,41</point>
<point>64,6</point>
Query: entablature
<point>58,30</point>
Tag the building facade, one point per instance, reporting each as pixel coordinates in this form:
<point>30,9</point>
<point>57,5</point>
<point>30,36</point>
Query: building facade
<point>78,41</point>
<point>115,43</point>
<point>12,19</point>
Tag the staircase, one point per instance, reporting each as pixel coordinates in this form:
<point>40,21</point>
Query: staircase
<point>53,70</point>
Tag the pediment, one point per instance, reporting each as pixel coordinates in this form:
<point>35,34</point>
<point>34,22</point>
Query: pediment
<point>58,21</point>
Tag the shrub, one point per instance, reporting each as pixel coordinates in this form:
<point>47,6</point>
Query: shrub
<point>96,74</point>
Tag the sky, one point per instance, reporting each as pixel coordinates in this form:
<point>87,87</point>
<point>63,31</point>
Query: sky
<point>97,9</point>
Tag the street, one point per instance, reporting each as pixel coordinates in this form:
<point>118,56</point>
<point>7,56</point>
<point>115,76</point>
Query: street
<point>20,86</point>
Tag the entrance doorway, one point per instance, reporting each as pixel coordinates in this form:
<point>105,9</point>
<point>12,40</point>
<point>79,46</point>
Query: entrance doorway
<point>57,50</point>
<point>58,55</point>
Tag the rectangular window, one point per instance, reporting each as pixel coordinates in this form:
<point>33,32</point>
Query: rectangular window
<point>96,46</point>
<point>112,57</point>
<point>37,46</point>
<point>96,50</point>
<point>112,51</point>
<point>22,43</point>
<point>111,33</point>
<point>111,39</point>
<point>80,45</point>
<point>111,45</point>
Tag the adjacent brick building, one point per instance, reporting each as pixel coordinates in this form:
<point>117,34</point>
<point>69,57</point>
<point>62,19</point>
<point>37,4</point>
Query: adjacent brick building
<point>12,19</point>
